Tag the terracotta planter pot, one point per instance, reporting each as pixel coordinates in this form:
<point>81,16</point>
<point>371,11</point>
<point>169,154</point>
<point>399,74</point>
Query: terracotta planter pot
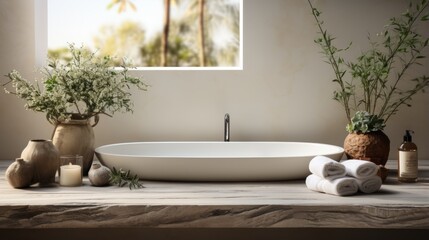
<point>76,137</point>
<point>372,146</point>
<point>44,157</point>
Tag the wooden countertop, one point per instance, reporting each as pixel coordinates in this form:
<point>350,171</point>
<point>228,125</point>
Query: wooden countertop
<point>287,204</point>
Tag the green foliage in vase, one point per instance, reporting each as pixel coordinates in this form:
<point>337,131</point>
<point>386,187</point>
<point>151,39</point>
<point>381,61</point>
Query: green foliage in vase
<point>363,122</point>
<point>376,82</point>
<point>123,178</point>
<point>85,86</point>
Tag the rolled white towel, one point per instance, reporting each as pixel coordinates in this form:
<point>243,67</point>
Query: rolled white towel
<point>340,186</point>
<point>314,182</point>
<point>360,168</point>
<point>325,167</point>
<point>370,184</point>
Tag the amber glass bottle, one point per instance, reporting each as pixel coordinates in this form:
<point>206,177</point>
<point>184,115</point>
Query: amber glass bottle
<point>408,160</point>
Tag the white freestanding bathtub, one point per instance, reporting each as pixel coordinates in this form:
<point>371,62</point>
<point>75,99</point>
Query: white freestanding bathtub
<point>215,161</point>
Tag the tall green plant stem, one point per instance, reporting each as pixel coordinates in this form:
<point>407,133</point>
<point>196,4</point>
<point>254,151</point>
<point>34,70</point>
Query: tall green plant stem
<point>330,51</point>
<point>398,46</point>
<point>386,115</point>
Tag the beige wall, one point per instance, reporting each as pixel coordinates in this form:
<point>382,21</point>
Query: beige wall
<point>283,94</point>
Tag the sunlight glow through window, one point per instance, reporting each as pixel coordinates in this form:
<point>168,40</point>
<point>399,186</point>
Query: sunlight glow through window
<point>133,30</point>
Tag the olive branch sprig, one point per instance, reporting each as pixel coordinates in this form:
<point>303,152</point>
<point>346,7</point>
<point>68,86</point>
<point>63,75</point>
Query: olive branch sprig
<point>123,178</point>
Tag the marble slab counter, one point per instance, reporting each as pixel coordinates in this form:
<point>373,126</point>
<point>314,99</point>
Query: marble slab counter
<point>287,204</point>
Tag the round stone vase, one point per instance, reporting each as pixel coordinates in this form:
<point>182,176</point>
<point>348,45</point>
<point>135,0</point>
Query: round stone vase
<point>44,157</point>
<point>76,137</point>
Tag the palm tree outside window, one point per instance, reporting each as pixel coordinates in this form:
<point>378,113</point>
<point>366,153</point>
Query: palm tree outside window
<point>150,33</point>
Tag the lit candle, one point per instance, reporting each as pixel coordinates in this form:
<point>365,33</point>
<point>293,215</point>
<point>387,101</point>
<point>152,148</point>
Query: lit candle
<point>71,175</point>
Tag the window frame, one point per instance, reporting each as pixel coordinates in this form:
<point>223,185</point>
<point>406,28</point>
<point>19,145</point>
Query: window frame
<point>41,42</point>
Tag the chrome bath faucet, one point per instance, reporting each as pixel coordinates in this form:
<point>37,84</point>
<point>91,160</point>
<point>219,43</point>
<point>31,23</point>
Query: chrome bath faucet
<point>226,128</point>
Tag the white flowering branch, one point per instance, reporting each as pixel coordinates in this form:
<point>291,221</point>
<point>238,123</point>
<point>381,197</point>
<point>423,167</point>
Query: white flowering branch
<point>85,87</point>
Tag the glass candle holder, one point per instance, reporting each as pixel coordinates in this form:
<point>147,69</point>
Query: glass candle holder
<point>71,170</point>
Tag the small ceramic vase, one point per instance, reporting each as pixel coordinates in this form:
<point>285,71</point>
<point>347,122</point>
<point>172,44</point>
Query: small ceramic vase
<point>76,137</point>
<point>44,157</point>
<point>20,173</point>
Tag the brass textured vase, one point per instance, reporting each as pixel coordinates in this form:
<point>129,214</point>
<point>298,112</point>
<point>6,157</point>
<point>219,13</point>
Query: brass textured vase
<point>372,146</point>
<point>44,157</point>
<point>76,137</point>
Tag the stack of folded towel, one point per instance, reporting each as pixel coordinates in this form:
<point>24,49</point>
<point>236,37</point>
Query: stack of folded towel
<point>343,179</point>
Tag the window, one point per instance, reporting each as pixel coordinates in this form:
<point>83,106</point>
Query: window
<point>135,30</point>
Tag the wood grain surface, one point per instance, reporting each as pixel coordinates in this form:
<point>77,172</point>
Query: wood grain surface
<point>287,204</point>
